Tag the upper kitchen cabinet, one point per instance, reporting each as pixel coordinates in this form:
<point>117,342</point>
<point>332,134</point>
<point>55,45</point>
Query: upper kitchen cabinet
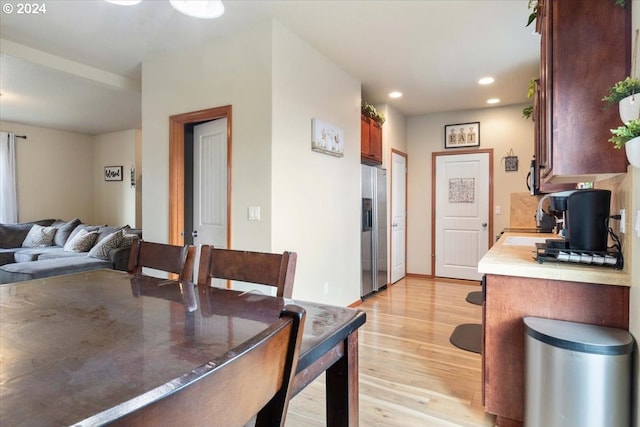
<point>585,49</point>
<point>371,141</point>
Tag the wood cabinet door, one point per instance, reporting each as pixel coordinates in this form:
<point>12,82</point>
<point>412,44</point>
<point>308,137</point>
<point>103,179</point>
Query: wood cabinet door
<point>375,141</point>
<point>364,136</point>
<point>581,58</point>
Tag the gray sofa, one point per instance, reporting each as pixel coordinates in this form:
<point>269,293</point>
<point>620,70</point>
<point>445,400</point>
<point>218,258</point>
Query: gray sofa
<point>22,259</point>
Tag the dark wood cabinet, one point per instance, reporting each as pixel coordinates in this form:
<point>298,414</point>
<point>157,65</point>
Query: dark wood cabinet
<point>371,141</point>
<point>507,301</point>
<point>585,49</point>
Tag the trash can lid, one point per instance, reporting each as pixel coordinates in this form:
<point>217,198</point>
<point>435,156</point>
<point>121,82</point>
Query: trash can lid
<point>580,337</point>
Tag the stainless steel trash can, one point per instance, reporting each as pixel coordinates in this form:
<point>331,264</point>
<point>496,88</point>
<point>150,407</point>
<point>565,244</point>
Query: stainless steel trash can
<point>576,375</point>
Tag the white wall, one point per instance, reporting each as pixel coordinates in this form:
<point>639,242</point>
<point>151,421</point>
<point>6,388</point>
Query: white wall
<point>233,72</point>
<point>501,128</point>
<point>316,197</point>
<point>55,173</point>
<point>114,201</point>
<point>309,202</point>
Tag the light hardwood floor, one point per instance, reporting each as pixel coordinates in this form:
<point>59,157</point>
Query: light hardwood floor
<point>410,374</point>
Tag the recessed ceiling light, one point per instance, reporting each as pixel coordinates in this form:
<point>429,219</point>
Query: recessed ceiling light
<point>486,80</point>
<point>493,101</point>
<point>395,94</point>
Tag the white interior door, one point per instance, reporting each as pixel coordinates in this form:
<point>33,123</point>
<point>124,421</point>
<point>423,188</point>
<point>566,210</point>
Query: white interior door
<point>210,185</point>
<point>398,216</point>
<point>462,214</point>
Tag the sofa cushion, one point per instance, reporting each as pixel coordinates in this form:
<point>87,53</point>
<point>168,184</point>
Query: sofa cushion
<point>32,254</point>
<point>39,236</point>
<point>64,231</point>
<point>85,227</point>
<point>103,247</point>
<point>49,267</point>
<point>12,235</point>
<point>106,230</point>
<point>81,242</point>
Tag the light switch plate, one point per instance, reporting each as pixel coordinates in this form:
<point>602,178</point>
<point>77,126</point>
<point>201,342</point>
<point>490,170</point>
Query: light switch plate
<point>254,213</point>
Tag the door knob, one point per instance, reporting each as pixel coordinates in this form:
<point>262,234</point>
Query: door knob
<point>394,225</point>
<point>484,224</point>
<point>194,233</point>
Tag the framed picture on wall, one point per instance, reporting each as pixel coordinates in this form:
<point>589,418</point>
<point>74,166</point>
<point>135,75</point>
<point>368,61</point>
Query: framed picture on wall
<point>462,135</point>
<point>113,173</point>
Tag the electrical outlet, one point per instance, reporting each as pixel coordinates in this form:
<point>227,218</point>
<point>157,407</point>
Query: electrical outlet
<point>623,220</point>
<point>326,288</point>
<point>498,210</point>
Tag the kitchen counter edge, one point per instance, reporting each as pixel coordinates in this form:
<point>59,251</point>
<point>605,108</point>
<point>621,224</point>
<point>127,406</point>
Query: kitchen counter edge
<point>519,261</point>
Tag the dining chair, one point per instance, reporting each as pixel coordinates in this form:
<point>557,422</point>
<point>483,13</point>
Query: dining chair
<point>252,378</point>
<point>161,256</point>
<point>277,270</point>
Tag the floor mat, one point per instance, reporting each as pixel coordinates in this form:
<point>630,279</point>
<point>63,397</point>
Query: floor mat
<point>474,297</point>
<point>468,337</point>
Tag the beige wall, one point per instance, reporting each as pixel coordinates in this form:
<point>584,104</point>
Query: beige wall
<point>501,128</point>
<point>114,201</point>
<point>276,84</point>
<point>61,175</point>
<point>55,173</point>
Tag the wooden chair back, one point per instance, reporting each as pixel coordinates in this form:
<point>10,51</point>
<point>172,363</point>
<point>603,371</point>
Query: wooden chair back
<point>161,256</point>
<point>270,269</point>
<point>253,378</point>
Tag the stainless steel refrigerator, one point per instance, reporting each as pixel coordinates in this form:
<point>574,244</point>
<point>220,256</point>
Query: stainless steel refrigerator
<point>374,230</point>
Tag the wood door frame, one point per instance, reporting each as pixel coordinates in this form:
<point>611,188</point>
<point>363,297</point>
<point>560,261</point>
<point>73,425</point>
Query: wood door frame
<point>406,204</point>
<point>176,167</point>
<point>434,156</point>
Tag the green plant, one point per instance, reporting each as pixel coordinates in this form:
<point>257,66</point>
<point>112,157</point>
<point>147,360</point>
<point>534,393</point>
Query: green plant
<point>527,111</point>
<point>621,90</point>
<point>369,110</point>
<point>625,133</point>
<point>533,4</point>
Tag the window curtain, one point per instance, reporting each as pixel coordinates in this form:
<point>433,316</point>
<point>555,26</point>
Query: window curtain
<point>8,179</point>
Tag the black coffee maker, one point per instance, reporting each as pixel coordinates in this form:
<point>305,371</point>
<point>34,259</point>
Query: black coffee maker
<point>583,216</point>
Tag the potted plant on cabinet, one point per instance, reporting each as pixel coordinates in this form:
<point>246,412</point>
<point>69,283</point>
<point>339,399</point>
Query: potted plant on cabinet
<point>625,93</point>
<point>628,136</point>
<point>369,110</point>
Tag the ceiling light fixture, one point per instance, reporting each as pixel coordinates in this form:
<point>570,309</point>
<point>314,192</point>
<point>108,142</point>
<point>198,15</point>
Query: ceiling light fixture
<point>395,94</point>
<point>486,80</point>
<point>493,101</point>
<point>205,9</point>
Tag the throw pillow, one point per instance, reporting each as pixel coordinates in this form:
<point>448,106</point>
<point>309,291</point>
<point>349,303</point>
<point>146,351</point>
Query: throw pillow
<point>64,231</point>
<point>81,242</point>
<point>127,239</point>
<point>39,236</point>
<point>104,246</point>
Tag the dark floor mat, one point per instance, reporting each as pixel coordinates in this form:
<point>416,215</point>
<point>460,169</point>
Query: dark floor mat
<point>474,297</point>
<point>468,337</point>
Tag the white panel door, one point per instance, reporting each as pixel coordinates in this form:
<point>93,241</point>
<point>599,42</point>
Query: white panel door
<point>462,214</point>
<point>210,185</point>
<point>398,216</point>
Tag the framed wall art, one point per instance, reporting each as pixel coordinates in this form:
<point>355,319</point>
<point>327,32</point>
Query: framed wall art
<point>113,173</point>
<point>462,135</point>
<point>327,138</point>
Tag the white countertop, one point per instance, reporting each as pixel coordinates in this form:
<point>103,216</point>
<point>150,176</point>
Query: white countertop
<point>514,255</point>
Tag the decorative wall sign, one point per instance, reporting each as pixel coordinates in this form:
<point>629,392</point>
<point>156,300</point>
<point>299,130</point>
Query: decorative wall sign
<point>511,163</point>
<point>113,173</point>
<point>462,190</point>
<point>462,135</point>
<point>327,138</point>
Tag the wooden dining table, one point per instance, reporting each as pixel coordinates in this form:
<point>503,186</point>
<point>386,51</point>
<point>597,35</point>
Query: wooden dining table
<point>88,348</point>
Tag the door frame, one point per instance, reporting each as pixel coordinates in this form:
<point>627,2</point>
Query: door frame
<point>406,204</point>
<point>176,167</point>
<point>434,156</point>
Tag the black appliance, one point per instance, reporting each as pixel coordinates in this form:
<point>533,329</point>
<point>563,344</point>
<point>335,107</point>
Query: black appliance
<point>583,225</point>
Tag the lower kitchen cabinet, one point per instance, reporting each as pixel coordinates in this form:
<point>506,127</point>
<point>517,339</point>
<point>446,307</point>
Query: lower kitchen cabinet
<point>508,300</point>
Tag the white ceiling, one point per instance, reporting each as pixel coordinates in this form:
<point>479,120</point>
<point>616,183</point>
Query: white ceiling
<point>77,65</point>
